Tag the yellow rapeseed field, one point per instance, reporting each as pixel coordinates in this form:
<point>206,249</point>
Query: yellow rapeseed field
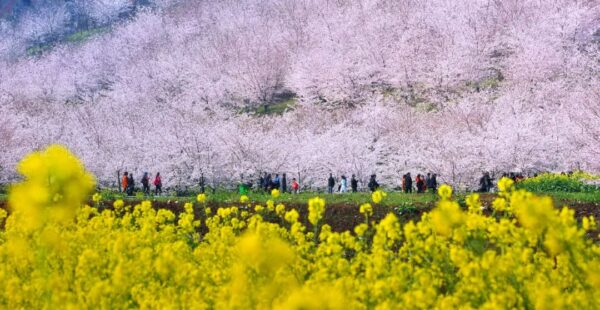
<point>58,253</point>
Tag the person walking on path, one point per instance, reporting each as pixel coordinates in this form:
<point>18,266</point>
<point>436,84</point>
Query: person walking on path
<point>429,182</point>
<point>434,183</point>
<point>146,183</point>
<point>343,185</point>
<point>276,182</point>
<point>130,185</point>
<point>354,184</point>
<point>268,183</point>
<point>420,184</point>
<point>295,186</point>
<point>124,181</point>
<point>373,185</point>
<point>243,188</point>
<point>283,183</point>
<point>330,184</point>
<point>157,184</point>
<point>260,183</point>
<point>201,183</point>
<point>485,183</point>
<point>408,182</point>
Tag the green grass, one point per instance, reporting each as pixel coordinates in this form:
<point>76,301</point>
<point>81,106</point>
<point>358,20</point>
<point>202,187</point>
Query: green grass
<point>38,49</point>
<point>85,34</point>
<point>565,198</point>
<point>276,108</point>
<point>225,197</point>
<point>76,37</point>
<point>393,199</point>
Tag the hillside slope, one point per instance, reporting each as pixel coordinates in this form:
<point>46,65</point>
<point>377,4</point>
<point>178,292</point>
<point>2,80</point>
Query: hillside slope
<point>379,87</point>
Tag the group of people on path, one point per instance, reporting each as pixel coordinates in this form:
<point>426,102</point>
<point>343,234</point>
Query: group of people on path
<point>268,183</point>
<point>486,183</point>
<point>343,186</point>
<point>422,183</point>
<point>128,184</point>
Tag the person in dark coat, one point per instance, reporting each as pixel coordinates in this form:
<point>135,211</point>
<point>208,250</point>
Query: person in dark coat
<point>265,182</point>
<point>354,184</point>
<point>485,183</point>
<point>260,183</point>
<point>434,183</point>
<point>428,182</point>
<point>373,185</point>
<point>146,183</point>
<point>408,183</point>
<point>330,184</point>
<point>276,182</point>
<point>202,183</point>
<point>130,185</point>
<point>268,183</point>
<point>283,183</point>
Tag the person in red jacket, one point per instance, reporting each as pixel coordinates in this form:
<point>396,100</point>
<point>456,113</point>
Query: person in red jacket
<point>157,184</point>
<point>295,186</point>
<point>420,184</point>
<point>124,182</point>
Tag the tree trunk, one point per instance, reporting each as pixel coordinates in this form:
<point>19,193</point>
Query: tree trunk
<point>119,180</point>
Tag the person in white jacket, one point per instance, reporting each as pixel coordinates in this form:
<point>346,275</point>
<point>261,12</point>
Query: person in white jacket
<point>343,185</point>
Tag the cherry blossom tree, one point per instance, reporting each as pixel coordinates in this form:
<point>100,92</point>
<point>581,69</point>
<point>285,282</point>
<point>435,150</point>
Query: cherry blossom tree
<point>381,87</point>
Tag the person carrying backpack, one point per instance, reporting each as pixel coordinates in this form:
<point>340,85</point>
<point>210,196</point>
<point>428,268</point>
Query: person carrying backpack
<point>373,185</point>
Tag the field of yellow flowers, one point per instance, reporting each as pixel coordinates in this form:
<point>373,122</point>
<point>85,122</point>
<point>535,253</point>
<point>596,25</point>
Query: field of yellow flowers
<point>57,252</point>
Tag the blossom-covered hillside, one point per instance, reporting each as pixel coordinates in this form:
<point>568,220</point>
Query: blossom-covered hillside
<point>360,87</point>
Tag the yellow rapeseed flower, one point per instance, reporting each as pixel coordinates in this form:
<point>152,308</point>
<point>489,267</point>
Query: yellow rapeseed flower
<point>118,204</point>
<point>316,209</point>
<point>188,207</point>
<point>360,229</point>
<point>505,184</point>
<point>292,216</point>
<point>366,209</point>
<point>55,183</point>
<point>280,209</point>
<point>201,198</point>
<point>378,195</point>
<point>445,191</point>
<point>533,256</point>
<point>275,193</point>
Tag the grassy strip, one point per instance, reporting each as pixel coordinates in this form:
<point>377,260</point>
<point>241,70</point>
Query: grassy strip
<point>393,198</point>
<point>225,197</point>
